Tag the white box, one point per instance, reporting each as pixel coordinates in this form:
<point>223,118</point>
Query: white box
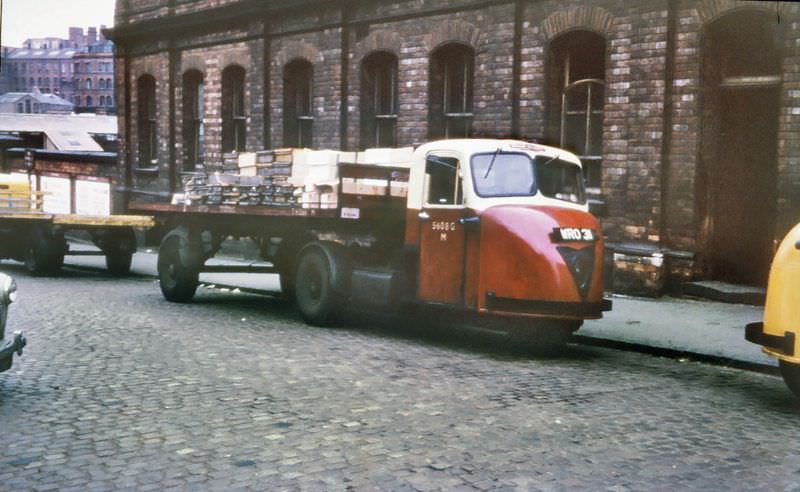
<point>247,159</point>
<point>56,195</point>
<point>374,187</point>
<point>350,186</point>
<point>92,198</point>
<point>399,189</point>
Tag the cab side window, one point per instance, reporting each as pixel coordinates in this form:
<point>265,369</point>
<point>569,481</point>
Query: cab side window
<point>444,184</point>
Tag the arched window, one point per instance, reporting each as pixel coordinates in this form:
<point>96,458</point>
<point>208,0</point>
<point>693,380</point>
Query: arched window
<point>379,100</point>
<point>298,119</point>
<point>101,84</point>
<point>146,120</point>
<point>89,101</point>
<point>451,81</point>
<point>234,121</point>
<point>89,84</point>
<point>193,114</point>
<point>576,82</point>
<point>109,84</point>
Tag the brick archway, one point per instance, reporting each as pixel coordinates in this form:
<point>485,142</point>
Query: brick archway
<point>711,10</point>
<point>453,31</point>
<point>588,18</point>
<point>379,40</point>
<point>297,50</point>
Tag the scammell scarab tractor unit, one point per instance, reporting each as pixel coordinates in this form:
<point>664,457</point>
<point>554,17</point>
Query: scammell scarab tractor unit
<point>493,232</point>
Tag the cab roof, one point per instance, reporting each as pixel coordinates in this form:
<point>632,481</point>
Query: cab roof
<point>481,145</point>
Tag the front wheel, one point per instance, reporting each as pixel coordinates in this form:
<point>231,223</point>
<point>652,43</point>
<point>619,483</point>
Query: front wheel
<point>313,289</point>
<point>178,281</point>
<point>791,376</point>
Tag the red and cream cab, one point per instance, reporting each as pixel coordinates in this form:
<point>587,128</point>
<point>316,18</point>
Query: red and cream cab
<point>503,229</point>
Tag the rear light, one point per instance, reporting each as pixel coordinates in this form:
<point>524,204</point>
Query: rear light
<point>581,265</point>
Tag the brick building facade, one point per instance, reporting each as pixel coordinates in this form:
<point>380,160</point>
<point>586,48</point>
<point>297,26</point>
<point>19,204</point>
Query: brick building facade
<point>93,79</point>
<point>690,130</point>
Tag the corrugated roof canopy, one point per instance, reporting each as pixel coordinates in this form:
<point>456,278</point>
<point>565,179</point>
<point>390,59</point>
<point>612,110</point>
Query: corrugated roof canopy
<point>66,132</point>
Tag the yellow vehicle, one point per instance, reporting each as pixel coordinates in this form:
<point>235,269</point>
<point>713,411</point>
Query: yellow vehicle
<point>778,333</point>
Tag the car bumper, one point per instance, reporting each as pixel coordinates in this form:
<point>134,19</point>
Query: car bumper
<point>8,348</point>
<point>784,344</point>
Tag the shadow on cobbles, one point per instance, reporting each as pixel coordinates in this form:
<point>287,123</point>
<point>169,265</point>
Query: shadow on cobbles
<point>417,327</point>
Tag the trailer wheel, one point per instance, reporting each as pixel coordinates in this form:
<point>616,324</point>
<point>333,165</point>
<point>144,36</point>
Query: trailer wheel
<point>313,288</point>
<point>44,252</point>
<point>118,262</point>
<point>791,376</point>
<point>178,281</point>
<point>119,245</point>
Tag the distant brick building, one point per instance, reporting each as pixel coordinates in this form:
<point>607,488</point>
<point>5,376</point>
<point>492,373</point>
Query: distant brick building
<point>686,112</point>
<point>93,78</point>
<point>78,69</point>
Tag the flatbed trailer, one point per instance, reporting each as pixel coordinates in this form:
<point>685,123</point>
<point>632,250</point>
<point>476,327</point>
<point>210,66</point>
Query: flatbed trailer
<point>469,241</point>
<point>34,218</point>
<point>38,239</point>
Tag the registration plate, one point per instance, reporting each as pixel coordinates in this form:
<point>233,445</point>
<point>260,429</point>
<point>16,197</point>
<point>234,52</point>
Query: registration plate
<point>573,234</point>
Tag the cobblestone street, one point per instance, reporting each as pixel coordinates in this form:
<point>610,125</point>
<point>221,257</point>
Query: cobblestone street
<point>120,389</point>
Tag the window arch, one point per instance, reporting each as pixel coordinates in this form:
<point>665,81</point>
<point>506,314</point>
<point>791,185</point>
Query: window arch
<point>576,97</point>
<point>379,100</point>
<point>193,114</point>
<point>101,84</point>
<point>298,119</point>
<point>146,119</point>
<point>234,122</point>
<point>451,91</point>
<point>89,84</point>
<point>89,101</point>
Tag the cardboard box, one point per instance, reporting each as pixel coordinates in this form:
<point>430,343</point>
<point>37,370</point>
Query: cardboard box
<point>247,159</point>
<point>350,186</point>
<point>398,189</point>
<point>374,187</point>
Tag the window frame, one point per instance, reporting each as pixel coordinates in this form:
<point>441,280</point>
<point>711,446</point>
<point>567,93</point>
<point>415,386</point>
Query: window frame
<point>452,91</point>
<point>193,123</point>
<point>298,103</point>
<point>459,190</point>
<point>379,91</point>
<point>234,118</point>
<point>147,136</point>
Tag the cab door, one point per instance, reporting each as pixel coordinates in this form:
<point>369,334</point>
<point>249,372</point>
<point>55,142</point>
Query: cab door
<point>442,239</point>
